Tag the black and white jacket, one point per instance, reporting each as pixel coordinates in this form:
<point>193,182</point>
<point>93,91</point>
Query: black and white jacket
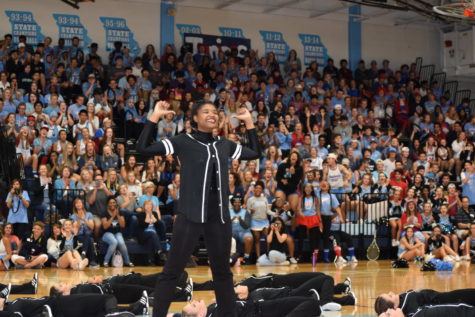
<point>200,154</point>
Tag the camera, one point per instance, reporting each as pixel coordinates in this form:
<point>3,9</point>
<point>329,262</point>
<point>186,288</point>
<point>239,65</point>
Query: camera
<point>98,183</point>
<point>276,224</point>
<point>17,192</point>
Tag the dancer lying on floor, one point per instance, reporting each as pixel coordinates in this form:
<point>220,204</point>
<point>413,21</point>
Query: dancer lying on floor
<point>79,305</point>
<point>126,288</point>
<point>410,301</point>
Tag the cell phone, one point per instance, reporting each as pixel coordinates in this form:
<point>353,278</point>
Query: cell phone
<point>98,183</point>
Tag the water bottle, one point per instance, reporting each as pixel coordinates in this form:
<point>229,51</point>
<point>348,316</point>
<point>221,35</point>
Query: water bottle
<point>314,257</point>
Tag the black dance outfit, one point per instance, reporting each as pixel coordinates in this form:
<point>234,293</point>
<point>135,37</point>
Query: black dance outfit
<point>202,208</point>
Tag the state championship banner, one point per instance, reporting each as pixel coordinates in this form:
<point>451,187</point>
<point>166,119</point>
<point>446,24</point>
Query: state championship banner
<point>23,23</point>
<point>313,49</point>
<point>214,44</point>
<point>117,30</point>
<point>69,26</point>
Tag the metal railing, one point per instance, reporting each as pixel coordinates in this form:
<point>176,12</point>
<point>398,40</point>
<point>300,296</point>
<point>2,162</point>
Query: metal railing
<point>62,202</point>
<point>366,214</point>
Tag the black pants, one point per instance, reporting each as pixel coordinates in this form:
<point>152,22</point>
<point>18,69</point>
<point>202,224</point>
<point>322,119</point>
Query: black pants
<point>466,296</point>
<point>442,311</point>
<point>79,305</point>
<point>301,283</point>
<point>88,246</point>
<point>145,280</point>
<point>342,237</point>
<point>289,307</point>
<point>314,235</point>
<point>218,242</point>
<point>327,223</point>
<point>26,288</point>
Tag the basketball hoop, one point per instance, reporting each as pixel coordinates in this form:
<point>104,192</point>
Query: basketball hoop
<point>464,10</point>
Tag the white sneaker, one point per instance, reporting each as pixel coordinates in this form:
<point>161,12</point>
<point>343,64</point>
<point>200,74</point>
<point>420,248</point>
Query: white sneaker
<point>292,260</point>
<point>429,257</point>
<point>465,258</point>
<point>340,260</point>
<point>394,242</point>
<point>331,306</point>
<point>284,263</point>
<point>448,258</point>
<point>83,264</point>
<point>353,259</point>
<point>457,258</point>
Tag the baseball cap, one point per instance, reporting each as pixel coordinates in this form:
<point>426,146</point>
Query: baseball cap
<point>405,149</point>
<point>345,161</point>
<point>44,127</point>
<point>21,45</point>
<point>91,76</point>
<point>332,156</point>
<point>31,118</point>
<point>236,198</point>
<point>391,149</point>
<point>338,107</point>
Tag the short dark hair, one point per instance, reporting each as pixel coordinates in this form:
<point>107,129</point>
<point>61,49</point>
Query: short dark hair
<point>53,291</point>
<point>381,305</point>
<point>196,107</point>
<point>259,183</point>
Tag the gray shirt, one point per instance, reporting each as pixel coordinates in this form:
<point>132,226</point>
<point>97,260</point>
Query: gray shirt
<point>100,204</point>
<point>132,206</point>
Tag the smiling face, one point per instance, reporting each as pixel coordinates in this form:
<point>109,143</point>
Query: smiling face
<point>206,118</point>
<point>195,308</point>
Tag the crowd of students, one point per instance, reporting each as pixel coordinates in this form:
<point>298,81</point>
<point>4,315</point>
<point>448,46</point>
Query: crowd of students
<point>331,138</point>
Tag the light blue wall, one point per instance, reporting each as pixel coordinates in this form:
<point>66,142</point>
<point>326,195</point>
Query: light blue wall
<point>354,36</point>
<point>167,26</point>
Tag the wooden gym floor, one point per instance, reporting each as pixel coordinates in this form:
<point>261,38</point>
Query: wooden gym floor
<point>368,279</point>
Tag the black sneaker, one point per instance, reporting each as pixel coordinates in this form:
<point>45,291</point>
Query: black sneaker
<point>189,290</point>
<point>5,292</point>
<point>347,282</point>
<point>34,282</point>
<point>143,304</point>
<point>352,294</point>
<point>140,307</point>
<point>94,265</point>
<point>46,311</point>
<point>163,257</point>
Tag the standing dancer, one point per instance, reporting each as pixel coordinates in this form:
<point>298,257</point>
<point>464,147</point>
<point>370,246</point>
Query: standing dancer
<point>203,202</point>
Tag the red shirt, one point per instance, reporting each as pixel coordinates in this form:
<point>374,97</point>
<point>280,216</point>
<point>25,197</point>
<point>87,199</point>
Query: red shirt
<point>402,185</point>
<point>453,210</point>
<point>404,220</point>
<point>297,141</point>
